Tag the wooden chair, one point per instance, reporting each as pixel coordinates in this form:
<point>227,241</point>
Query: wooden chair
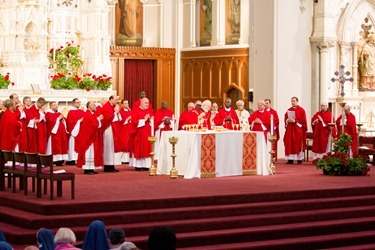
<point>5,170</point>
<point>18,169</point>
<point>309,142</point>
<point>33,158</point>
<point>28,171</point>
<point>47,162</point>
<point>369,142</point>
<point>13,171</point>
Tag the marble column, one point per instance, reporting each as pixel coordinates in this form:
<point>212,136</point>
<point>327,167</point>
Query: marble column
<point>112,20</point>
<point>218,23</point>
<point>355,64</point>
<point>193,40</point>
<point>325,74</point>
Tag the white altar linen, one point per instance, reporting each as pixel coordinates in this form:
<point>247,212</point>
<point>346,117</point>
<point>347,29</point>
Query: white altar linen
<point>229,150</point>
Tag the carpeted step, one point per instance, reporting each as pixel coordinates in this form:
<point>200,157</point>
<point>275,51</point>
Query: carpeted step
<point>35,221</point>
<point>357,247</point>
<point>306,243</point>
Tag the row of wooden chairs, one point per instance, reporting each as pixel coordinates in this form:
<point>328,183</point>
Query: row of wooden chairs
<point>21,169</point>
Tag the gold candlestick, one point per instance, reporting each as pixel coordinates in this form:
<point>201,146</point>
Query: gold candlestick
<point>152,170</point>
<point>173,173</point>
<point>331,127</point>
<point>272,139</point>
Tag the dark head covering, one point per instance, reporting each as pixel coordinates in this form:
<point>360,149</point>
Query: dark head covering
<point>2,237</point>
<point>116,236</point>
<point>45,239</point>
<point>96,237</point>
<point>162,238</point>
<point>5,246</point>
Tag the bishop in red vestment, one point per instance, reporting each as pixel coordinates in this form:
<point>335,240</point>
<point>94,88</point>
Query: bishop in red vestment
<point>295,132</point>
<point>57,143</point>
<point>142,121</point>
<point>126,115</point>
<point>321,130</point>
<point>350,128</point>
<point>260,120</point>
<point>10,128</point>
<point>226,116</point>
<point>73,122</point>
<point>89,144</point>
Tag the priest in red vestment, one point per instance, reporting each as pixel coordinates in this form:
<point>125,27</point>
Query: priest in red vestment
<point>41,126</point>
<point>116,131</point>
<point>321,131</point>
<point>57,143</point>
<point>142,122</point>
<point>10,128</point>
<point>89,143</point>
<point>295,132</point>
<point>163,118</point>
<point>183,120</point>
<point>227,116</point>
<point>108,112</point>
<point>260,120</point>
<point>126,116</point>
<point>137,103</point>
<point>73,122</point>
<point>350,128</point>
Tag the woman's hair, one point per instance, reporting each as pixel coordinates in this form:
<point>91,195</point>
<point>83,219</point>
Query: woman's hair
<point>65,235</point>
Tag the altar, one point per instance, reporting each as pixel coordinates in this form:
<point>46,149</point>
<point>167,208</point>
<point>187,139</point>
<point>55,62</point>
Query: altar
<point>227,153</point>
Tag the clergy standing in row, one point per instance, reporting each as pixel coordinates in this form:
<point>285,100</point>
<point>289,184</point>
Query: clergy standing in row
<point>57,143</point>
<point>10,128</point>
<point>163,119</point>
<point>73,121</point>
<point>226,117</point>
<point>295,132</point>
<point>350,128</point>
<point>321,131</point>
<point>260,120</point>
<point>89,143</point>
<point>31,130</point>
<point>143,127</point>
<point>184,117</point>
<point>243,115</point>
<point>126,114</point>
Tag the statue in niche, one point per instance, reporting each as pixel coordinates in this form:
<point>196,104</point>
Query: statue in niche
<point>206,33</point>
<point>366,57</point>
<point>130,13</point>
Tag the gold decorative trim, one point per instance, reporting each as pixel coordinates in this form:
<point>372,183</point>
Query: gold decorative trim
<point>249,172</point>
<point>208,175</point>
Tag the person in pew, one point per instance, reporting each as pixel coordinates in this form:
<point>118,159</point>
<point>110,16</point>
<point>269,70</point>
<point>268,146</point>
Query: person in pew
<point>45,239</point>
<point>57,142</point>
<point>73,122</point>
<point>10,128</point>
<point>5,246</point>
<point>96,237</point>
<point>89,143</point>
<point>116,237</point>
<point>65,239</point>
<point>321,130</point>
<point>295,132</point>
<point>162,238</point>
<point>226,116</point>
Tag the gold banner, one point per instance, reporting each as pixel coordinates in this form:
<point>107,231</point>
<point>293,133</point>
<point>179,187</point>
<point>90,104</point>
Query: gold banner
<point>249,156</point>
<point>208,157</point>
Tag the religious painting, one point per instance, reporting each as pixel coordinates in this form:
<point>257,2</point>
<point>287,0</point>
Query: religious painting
<point>233,19</point>
<point>129,23</point>
<point>366,57</point>
<point>205,29</point>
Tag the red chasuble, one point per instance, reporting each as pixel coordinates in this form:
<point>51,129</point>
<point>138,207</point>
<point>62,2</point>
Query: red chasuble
<point>116,131</point>
<point>160,115</point>
<point>350,128</point>
<point>59,140</point>
<point>183,119</point>
<point>108,112</point>
<point>295,133</point>
<point>141,145</point>
<point>71,120</point>
<point>321,131</point>
<point>89,134</point>
<point>125,129</point>
<point>137,104</point>
<point>222,114</point>
<point>10,130</point>
<point>32,132</point>
<point>265,117</point>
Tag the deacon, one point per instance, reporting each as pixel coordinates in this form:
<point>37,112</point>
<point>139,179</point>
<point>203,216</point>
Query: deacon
<point>126,115</point>
<point>108,112</point>
<point>226,116</point>
<point>260,120</point>
<point>142,123</point>
<point>57,143</point>
<point>350,128</point>
<point>10,128</point>
<point>89,142</point>
<point>295,132</point>
<point>184,116</point>
<point>73,122</point>
<point>321,130</point>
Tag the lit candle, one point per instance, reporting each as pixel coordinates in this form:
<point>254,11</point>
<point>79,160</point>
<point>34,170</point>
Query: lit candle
<point>152,126</point>
<point>173,123</point>
<point>271,124</point>
<point>333,106</point>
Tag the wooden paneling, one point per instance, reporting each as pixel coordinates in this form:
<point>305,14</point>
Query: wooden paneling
<point>212,74</point>
<point>164,72</point>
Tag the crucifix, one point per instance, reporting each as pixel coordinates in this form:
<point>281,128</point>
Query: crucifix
<point>341,77</point>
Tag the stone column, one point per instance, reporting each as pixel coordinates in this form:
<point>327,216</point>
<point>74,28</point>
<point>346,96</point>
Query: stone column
<point>218,23</point>
<point>325,75</point>
<point>112,20</point>
<point>355,65</point>
<point>193,40</point>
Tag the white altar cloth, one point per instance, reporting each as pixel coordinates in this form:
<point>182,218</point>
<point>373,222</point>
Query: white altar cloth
<point>229,150</point>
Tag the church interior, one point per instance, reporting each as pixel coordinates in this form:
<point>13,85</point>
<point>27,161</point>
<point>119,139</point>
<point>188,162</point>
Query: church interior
<point>182,51</point>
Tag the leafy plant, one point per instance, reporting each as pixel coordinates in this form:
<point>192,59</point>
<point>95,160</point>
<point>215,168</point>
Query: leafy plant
<point>4,81</point>
<point>67,59</point>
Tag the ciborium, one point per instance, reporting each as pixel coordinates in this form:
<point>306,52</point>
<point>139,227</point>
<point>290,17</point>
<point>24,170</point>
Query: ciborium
<point>152,170</point>
<point>173,173</point>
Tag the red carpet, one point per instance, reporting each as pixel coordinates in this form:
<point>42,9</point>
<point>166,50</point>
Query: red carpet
<point>298,208</point>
